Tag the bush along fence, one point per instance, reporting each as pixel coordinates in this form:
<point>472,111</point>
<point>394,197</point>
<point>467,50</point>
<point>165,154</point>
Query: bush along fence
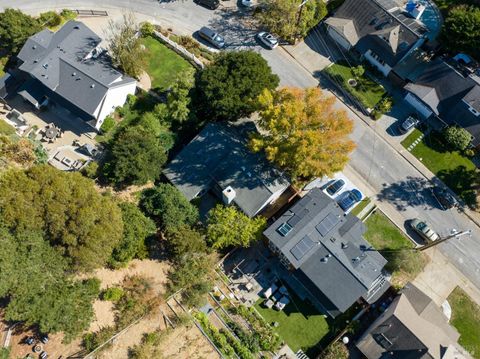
<point>179,50</point>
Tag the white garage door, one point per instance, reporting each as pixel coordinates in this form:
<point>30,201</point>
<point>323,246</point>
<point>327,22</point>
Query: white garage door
<point>418,105</point>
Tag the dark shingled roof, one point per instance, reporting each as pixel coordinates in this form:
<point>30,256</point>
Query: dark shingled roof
<point>412,327</point>
<point>58,60</point>
<point>328,252</point>
<point>219,156</point>
<point>386,31</point>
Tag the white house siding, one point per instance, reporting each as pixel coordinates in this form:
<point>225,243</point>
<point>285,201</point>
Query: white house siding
<point>422,109</point>
<point>339,39</point>
<point>115,97</point>
<point>384,69</point>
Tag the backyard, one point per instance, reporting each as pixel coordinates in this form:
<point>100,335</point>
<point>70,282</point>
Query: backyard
<point>466,319</point>
<point>164,64</point>
<point>403,262</point>
<point>302,326</point>
<point>456,170</point>
<point>367,91</point>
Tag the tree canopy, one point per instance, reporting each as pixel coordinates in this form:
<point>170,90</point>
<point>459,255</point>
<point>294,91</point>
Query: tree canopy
<point>457,137</point>
<point>125,46</point>
<point>461,30</point>
<point>178,99</point>
<point>227,227</point>
<point>15,28</point>
<point>33,278</point>
<point>302,132</point>
<point>290,21</point>
<point>82,224</point>
<point>136,229</point>
<point>169,206</point>
<point>185,240</point>
<point>229,87</point>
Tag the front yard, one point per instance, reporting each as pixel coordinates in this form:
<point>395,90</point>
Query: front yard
<point>164,65</point>
<point>456,170</point>
<point>403,262</point>
<point>367,91</point>
<point>466,319</point>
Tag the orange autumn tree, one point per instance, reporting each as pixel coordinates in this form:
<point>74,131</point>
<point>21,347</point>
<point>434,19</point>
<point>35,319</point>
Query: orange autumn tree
<point>301,132</point>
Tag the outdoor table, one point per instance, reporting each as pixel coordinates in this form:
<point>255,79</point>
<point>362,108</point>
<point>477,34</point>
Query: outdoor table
<point>51,133</point>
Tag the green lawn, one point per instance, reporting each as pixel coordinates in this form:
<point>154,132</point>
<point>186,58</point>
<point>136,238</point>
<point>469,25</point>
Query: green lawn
<point>359,207</point>
<point>456,170</point>
<point>403,262</point>
<point>5,128</point>
<point>301,326</point>
<point>367,91</point>
<point>466,318</point>
<point>164,65</point>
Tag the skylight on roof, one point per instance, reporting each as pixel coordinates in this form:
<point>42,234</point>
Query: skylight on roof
<point>284,229</point>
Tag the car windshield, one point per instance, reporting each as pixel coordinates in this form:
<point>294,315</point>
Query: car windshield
<point>218,38</point>
<point>421,226</point>
<point>408,122</point>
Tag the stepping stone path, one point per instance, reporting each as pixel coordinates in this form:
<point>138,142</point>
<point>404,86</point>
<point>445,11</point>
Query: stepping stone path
<point>416,142</point>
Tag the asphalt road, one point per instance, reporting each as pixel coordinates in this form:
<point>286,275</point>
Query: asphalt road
<point>400,189</point>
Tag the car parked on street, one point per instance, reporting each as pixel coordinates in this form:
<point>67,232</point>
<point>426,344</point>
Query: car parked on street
<point>210,4</point>
<point>349,199</point>
<point>335,187</point>
<point>212,37</point>
<point>444,198</point>
<point>424,230</point>
<point>409,124</point>
<point>267,39</point>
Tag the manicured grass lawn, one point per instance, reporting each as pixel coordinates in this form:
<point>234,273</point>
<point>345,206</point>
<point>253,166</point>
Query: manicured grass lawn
<point>416,133</point>
<point>301,326</point>
<point>403,262</point>
<point>359,207</point>
<point>456,170</point>
<point>5,128</point>
<point>367,91</point>
<point>164,65</point>
<point>466,319</point>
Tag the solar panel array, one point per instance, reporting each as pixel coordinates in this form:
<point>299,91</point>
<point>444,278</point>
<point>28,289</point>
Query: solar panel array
<point>302,247</point>
<point>327,224</point>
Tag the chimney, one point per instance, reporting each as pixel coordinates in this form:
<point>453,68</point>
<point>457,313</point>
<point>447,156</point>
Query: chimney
<point>228,195</point>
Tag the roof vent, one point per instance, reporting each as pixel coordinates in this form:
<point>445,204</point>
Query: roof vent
<point>92,86</point>
<point>74,74</point>
<point>35,61</point>
<point>34,47</point>
<point>228,195</point>
<point>344,245</point>
<point>324,259</point>
<point>76,27</point>
<point>356,259</point>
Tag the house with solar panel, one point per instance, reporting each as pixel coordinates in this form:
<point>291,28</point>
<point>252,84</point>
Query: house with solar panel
<point>326,252</point>
<point>69,68</point>
<point>379,31</point>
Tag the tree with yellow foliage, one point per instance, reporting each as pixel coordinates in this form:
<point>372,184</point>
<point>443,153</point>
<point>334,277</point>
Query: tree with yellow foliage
<point>301,132</point>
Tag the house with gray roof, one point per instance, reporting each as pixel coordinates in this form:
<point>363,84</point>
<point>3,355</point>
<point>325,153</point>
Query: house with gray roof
<point>379,30</point>
<point>444,97</point>
<point>217,160</point>
<point>325,250</point>
<point>69,68</point>
<point>412,327</point>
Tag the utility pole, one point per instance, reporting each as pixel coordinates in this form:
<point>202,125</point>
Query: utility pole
<point>438,241</point>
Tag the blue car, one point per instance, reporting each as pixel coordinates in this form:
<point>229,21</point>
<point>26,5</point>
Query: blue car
<point>349,199</point>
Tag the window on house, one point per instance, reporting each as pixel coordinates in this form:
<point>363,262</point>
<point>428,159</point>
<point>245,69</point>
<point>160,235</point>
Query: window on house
<point>284,229</point>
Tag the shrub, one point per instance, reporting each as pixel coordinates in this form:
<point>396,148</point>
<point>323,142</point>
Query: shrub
<point>93,340</point>
<point>68,14</point>
<point>147,29</point>
<point>108,124</point>
<point>90,170</point>
<point>112,294</point>
<point>385,105</point>
<point>457,138</point>
<point>50,19</point>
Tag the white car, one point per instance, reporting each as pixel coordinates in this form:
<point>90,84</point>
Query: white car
<point>247,3</point>
<point>424,230</point>
<point>267,39</point>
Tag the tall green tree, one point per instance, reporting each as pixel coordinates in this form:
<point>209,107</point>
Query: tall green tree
<point>302,132</point>
<point>184,241</point>
<point>15,28</point>
<point>136,229</point>
<point>457,137</point>
<point>125,46</point>
<point>79,222</point>
<point>169,206</point>
<point>229,87</point>
<point>36,288</point>
<point>178,99</point>
<point>137,155</point>
<point>227,227</point>
<point>461,30</point>
<point>289,20</point>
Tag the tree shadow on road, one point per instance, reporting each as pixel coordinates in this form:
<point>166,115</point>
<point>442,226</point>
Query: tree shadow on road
<point>463,182</point>
<point>411,192</point>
